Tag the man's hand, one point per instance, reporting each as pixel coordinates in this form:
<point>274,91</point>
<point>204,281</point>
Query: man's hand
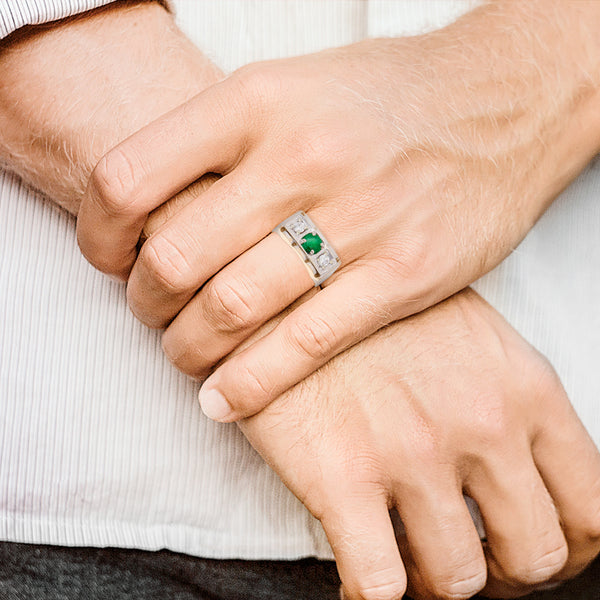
<point>447,402</point>
<point>424,161</point>
<point>73,89</point>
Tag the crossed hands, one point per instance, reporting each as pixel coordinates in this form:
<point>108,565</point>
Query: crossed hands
<point>449,402</point>
<point>420,191</point>
<point>420,169</point>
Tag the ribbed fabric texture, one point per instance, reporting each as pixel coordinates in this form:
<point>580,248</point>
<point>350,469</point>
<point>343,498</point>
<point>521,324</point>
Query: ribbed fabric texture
<point>15,14</point>
<point>102,441</point>
<point>549,290</point>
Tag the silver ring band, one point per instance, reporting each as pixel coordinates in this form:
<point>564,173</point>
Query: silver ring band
<point>305,238</point>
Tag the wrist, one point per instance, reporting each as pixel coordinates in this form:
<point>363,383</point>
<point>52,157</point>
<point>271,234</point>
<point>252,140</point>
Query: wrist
<point>511,86</point>
<point>72,91</point>
<point>545,59</point>
<point>556,53</point>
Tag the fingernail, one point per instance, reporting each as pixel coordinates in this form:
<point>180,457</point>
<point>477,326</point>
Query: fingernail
<point>214,405</point>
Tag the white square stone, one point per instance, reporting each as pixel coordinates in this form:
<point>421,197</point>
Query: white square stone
<point>324,260</point>
<point>298,226</point>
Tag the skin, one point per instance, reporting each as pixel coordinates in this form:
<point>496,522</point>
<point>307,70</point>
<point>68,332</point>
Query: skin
<point>53,141</point>
<point>459,140</point>
<point>334,437</point>
<point>447,402</point>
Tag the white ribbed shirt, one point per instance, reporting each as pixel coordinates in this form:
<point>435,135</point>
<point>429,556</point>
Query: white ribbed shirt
<point>102,442</point>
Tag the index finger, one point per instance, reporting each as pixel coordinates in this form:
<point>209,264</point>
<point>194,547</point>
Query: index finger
<point>206,134</point>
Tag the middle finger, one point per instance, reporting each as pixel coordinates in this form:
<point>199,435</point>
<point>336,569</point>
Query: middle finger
<point>198,241</point>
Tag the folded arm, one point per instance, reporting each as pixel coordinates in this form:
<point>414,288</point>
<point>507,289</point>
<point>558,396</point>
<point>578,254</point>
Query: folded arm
<point>73,89</point>
<point>376,427</point>
<point>423,160</point>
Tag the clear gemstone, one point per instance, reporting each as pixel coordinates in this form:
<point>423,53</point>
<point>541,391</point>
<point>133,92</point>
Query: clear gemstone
<point>299,226</point>
<point>324,260</point>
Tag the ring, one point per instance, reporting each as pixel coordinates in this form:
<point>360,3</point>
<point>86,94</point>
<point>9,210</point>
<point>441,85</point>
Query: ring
<point>305,238</point>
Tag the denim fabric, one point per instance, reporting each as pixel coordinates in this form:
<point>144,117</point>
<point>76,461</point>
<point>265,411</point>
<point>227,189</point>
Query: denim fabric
<point>31,572</point>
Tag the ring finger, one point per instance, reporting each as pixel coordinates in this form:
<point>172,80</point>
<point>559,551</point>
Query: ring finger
<point>233,304</point>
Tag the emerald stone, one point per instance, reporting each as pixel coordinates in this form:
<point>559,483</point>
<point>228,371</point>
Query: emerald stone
<point>311,243</point>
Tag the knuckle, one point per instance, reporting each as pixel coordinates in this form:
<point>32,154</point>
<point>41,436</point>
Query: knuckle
<point>426,446</point>
<point>387,590</point>
<point>331,148</point>
<point>255,388</point>
<point>544,380</point>
<point>415,254</point>
<point>322,153</point>
<point>230,305</point>
<point>336,506</point>
<point>491,425</point>
<point>313,337</point>
<point>258,83</point>
<point>409,259</point>
<point>424,442</point>
<point>464,582</point>
<point>166,265</point>
<point>361,468</point>
<point>540,568</point>
<point>115,181</point>
<point>185,354</point>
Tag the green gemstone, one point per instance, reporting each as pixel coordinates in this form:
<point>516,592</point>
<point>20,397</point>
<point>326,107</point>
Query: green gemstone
<point>311,243</point>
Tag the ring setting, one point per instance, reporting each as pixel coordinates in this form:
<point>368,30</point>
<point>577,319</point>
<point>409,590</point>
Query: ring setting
<point>303,235</point>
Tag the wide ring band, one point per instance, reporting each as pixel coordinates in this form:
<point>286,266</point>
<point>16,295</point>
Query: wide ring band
<point>305,238</point>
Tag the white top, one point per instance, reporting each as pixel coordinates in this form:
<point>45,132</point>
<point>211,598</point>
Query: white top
<point>102,442</point>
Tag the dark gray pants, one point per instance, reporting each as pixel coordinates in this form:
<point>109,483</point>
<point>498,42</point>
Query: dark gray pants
<point>30,572</point>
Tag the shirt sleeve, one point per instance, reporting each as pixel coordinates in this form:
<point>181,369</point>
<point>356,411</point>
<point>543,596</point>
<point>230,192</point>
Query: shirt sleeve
<point>15,14</point>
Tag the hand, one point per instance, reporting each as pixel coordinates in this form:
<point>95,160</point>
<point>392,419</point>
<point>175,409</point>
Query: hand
<point>424,161</point>
<point>59,115</point>
<point>448,402</point>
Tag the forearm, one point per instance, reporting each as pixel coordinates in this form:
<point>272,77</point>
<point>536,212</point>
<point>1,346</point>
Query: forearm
<point>537,92</point>
<point>557,46</point>
<point>71,91</point>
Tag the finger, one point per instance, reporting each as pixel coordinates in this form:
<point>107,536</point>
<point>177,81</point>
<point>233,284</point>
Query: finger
<point>160,215</point>
<point>525,544</point>
<point>569,464</point>
<point>206,134</point>
<point>233,304</point>
<point>362,538</point>
<point>222,224</point>
<point>415,586</point>
<point>443,540</point>
<point>307,338</point>
<point>197,242</point>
